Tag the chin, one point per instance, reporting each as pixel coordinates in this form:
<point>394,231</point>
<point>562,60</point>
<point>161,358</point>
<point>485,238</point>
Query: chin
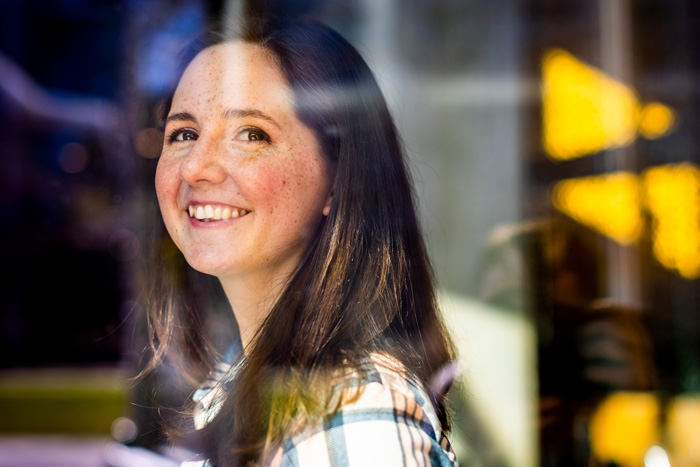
<point>212,266</point>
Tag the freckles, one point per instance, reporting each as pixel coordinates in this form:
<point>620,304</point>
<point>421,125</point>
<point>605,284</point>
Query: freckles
<point>264,187</point>
<point>166,182</point>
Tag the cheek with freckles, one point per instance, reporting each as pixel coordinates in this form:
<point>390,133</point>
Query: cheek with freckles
<point>264,187</point>
<point>167,185</point>
<point>290,193</point>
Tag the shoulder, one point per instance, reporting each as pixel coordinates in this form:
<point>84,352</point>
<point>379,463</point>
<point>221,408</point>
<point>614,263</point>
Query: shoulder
<point>390,421</point>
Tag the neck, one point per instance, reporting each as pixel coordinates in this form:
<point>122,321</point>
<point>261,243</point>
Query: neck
<point>252,297</point>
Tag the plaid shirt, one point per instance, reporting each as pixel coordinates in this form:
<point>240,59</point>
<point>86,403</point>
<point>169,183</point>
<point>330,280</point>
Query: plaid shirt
<point>392,423</point>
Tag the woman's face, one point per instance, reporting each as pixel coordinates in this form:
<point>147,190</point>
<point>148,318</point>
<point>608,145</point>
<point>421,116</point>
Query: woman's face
<point>241,183</point>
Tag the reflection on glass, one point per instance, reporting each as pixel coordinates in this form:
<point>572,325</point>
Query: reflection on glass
<point>624,427</point>
<point>683,428</point>
<point>672,195</point>
<point>636,428</point>
<point>655,120</point>
<point>611,204</point>
<point>586,111</point>
<point>607,203</point>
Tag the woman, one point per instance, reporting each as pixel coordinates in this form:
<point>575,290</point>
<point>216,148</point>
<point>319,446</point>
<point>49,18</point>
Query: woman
<point>282,175</point>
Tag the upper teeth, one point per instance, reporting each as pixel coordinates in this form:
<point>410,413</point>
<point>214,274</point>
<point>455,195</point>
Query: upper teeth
<point>207,212</point>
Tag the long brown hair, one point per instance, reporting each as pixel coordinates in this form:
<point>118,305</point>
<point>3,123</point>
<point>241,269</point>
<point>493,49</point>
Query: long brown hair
<point>365,284</point>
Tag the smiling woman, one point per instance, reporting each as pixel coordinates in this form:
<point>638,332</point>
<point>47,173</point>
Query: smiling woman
<point>282,176</point>
<point>234,147</point>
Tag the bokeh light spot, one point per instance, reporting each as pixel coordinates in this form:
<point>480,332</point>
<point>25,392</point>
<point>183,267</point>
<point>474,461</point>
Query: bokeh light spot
<point>149,143</point>
<point>655,120</point>
<point>124,430</point>
<point>73,158</point>
<point>624,427</point>
<point>585,111</point>
<point>607,203</point>
<point>672,196</point>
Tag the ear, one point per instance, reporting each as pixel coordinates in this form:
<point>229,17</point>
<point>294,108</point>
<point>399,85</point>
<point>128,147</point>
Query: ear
<point>327,207</point>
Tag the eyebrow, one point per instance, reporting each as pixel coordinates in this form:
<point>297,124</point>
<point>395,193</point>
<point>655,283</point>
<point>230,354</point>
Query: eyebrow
<point>230,113</point>
<point>181,116</point>
<point>241,113</point>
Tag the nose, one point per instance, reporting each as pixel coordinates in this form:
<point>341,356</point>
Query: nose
<point>202,164</point>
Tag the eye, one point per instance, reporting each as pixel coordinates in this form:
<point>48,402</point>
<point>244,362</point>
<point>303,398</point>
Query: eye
<point>252,134</point>
<point>182,134</point>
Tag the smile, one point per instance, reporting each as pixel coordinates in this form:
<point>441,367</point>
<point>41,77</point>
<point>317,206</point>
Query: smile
<point>211,213</point>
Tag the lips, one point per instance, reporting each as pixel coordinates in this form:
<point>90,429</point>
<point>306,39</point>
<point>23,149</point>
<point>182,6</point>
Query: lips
<point>214,212</point>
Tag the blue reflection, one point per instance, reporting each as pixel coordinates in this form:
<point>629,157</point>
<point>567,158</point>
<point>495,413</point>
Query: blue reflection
<point>157,70</point>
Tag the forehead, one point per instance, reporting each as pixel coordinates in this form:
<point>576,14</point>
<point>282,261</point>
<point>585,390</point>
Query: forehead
<point>233,73</point>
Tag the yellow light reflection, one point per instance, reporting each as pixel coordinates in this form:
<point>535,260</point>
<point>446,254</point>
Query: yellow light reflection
<point>611,204</point>
<point>586,111</point>
<point>672,195</point>
<point>624,427</point>
<point>608,203</point>
<point>684,429</point>
<point>655,120</point>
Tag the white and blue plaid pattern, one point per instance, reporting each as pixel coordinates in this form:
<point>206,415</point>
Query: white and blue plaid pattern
<point>392,423</point>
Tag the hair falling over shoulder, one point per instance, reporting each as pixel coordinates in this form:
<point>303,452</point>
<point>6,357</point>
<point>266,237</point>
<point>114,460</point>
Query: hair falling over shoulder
<point>364,286</point>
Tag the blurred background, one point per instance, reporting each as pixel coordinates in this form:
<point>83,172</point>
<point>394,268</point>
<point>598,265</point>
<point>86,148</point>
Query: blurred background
<point>554,145</point>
